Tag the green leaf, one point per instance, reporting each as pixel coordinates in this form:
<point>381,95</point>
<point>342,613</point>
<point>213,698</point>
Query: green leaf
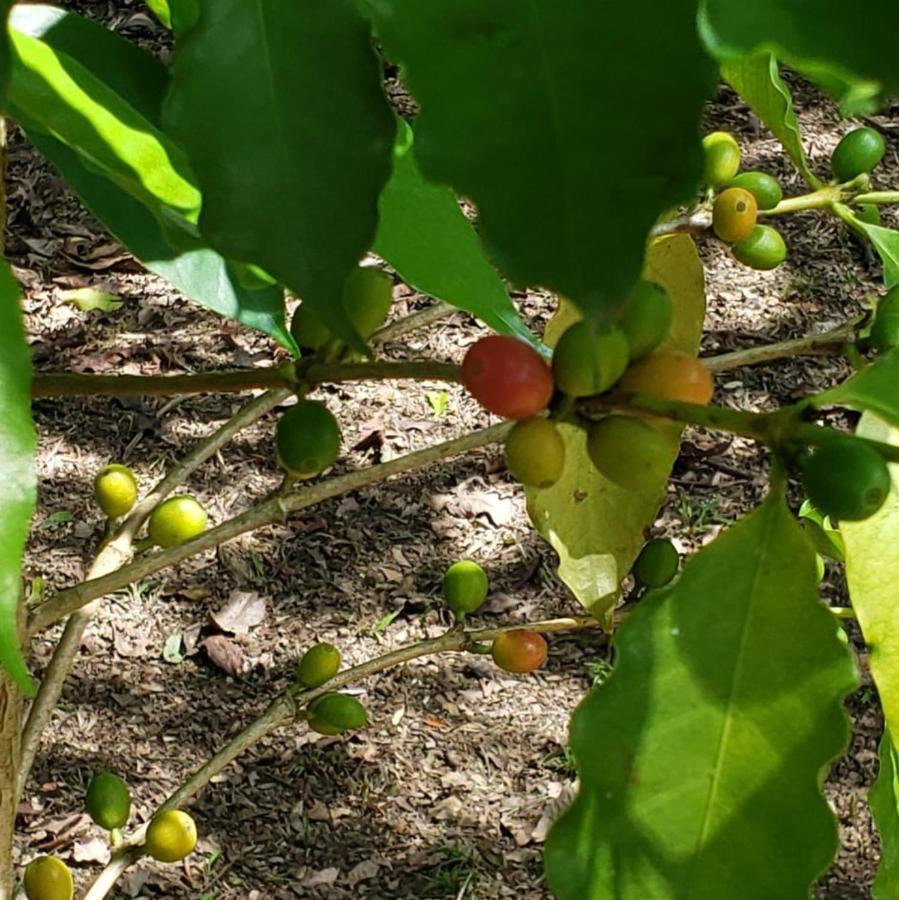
<point>756,78</point>
<point>537,112</point>
<point>825,538</point>
<point>886,243</point>
<point>5,53</point>
<point>91,300</point>
<point>701,757</point>
<point>816,39</point>
<point>134,75</point>
<point>140,81</point>
<point>53,93</point>
<point>595,526</point>
<point>160,9</point>
<point>438,401</point>
<point>426,237</point>
<point>884,800</point>
<point>872,573</point>
<point>179,15</point>
<point>873,388</point>
<point>18,487</point>
<point>281,109</point>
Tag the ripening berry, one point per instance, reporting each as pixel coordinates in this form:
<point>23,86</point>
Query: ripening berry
<point>507,376</point>
<point>734,214</point>
<point>672,375</point>
<point>519,651</point>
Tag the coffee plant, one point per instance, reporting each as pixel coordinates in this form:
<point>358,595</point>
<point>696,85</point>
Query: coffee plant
<point>264,162</point>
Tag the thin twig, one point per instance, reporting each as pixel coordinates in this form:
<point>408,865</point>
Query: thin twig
<point>418,369</point>
<point>273,509</point>
<point>69,384</point>
<point>284,710</point>
<point>113,554</point>
<point>831,341</point>
<point>73,384</point>
<point>420,319</point>
<point>695,223</point>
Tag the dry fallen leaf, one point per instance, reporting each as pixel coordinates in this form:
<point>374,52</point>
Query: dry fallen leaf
<point>225,654</point>
<point>362,872</point>
<point>323,876</point>
<point>94,850</point>
<point>243,611</point>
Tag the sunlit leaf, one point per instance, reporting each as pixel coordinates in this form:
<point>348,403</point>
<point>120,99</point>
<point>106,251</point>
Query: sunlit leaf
<point>18,487</point>
<point>700,758</point>
<point>168,246</point>
<point>160,9</point>
<point>872,573</point>
<point>55,94</point>
<point>884,800</point>
<point>873,388</point>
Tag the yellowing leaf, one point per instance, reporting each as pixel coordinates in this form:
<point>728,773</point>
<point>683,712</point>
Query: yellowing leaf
<point>595,526</point>
<point>872,571</point>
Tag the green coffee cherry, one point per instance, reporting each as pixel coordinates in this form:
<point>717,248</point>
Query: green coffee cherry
<point>465,587</point>
<point>722,157</point>
<point>307,439</point>
<point>845,478</point>
<point>647,318</point>
<point>765,188</point>
<point>586,363</point>
<point>335,713</point>
<point>657,563</point>
<point>858,152</point>
<point>763,249</point>
<point>318,664</point>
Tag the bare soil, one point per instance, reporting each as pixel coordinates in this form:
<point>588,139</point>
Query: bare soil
<point>450,791</point>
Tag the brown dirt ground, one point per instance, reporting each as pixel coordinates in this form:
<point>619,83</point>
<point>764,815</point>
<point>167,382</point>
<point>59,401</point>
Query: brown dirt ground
<point>449,792</point>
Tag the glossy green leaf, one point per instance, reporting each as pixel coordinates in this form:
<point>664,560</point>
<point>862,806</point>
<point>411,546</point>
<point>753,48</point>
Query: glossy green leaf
<point>537,112</point>
<point>281,109</point>
<point>884,800</point>
<point>886,243</point>
<point>426,237</point>
<point>56,94</point>
<point>700,758</point>
<point>756,78</point>
<point>134,75</point>
<point>140,82</point>
<point>815,39</point>
<point>873,388</point>
<point>18,487</point>
<point>596,527</point>
<point>872,573</point>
